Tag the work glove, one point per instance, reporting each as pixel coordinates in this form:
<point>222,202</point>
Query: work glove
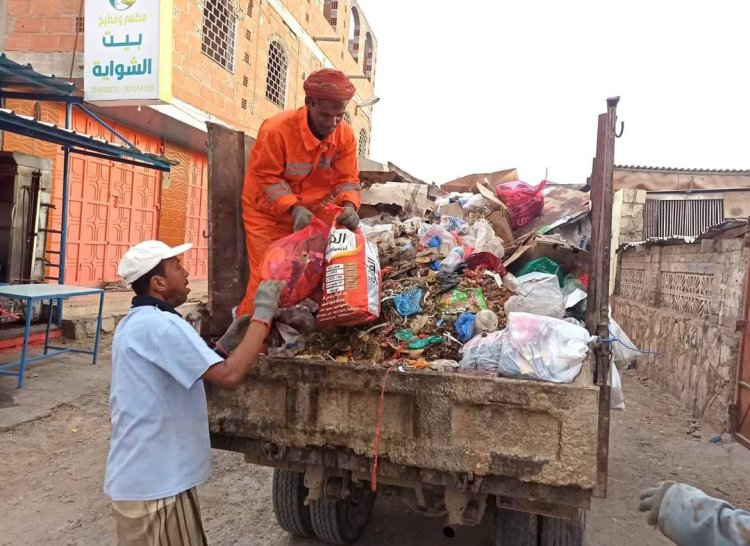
<point>234,334</point>
<point>349,217</point>
<point>267,300</point>
<point>651,500</point>
<point>302,217</point>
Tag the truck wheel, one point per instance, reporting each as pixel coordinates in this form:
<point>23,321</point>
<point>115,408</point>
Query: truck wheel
<point>289,494</point>
<point>514,528</point>
<point>342,521</point>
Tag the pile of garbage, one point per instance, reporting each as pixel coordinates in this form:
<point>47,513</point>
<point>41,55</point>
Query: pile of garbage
<point>448,299</point>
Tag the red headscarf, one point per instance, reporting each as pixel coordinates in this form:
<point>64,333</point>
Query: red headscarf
<point>329,84</point>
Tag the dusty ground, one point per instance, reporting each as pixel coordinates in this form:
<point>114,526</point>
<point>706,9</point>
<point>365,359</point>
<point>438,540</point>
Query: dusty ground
<point>55,437</point>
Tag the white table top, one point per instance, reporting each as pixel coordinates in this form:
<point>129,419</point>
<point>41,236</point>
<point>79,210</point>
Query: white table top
<point>42,290</point>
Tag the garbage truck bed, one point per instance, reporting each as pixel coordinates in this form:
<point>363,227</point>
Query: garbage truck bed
<point>451,445</point>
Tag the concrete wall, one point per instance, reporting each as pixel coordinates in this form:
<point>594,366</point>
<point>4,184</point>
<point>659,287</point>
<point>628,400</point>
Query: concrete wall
<point>683,301</point>
<point>631,215</point>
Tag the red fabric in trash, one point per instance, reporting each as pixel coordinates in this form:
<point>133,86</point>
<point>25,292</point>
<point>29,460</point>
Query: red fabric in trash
<point>298,259</point>
<point>488,261</point>
<point>524,202</point>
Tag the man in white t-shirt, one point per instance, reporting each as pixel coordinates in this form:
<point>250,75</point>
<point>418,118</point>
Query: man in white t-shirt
<point>160,449</point>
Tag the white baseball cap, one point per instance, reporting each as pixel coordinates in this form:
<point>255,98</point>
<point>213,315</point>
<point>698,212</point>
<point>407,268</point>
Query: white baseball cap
<point>143,257</point>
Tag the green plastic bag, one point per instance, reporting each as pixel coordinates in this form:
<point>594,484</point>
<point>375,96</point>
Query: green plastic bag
<point>543,265</point>
<point>425,342</point>
<point>461,300</point>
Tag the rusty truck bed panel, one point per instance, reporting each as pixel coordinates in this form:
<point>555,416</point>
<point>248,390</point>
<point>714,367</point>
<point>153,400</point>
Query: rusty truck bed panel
<point>536,432</point>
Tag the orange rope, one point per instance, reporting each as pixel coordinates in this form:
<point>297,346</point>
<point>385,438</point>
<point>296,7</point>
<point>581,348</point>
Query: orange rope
<point>378,428</point>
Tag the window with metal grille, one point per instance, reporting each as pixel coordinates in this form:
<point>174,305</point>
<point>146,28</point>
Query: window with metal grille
<point>250,8</point>
<point>331,12</point>
<point>243,103</point>
<point>369,53</point>
<point>363,143</point>
<point>276,76</point>
<point>347,118</point>
<point>681,218</point>
<point>354,34</point>
<point>219,24</point>
<point>79,24</point>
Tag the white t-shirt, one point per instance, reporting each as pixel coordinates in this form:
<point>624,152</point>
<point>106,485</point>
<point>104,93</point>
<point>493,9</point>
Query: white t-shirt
<point>160,444</point>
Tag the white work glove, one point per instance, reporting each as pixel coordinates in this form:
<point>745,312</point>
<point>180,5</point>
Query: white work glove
<point>349,217</point>
<point>234,334</point>
<point>267,301</point>
<point>651,500</point>
<point>302,217</point>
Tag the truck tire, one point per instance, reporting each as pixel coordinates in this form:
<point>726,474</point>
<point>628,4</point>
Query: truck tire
<point>342,521</point>
<point>289,494</point>
<point>514,528</point>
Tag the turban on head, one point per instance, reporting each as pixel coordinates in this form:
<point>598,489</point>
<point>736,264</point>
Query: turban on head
<point>329,84</point>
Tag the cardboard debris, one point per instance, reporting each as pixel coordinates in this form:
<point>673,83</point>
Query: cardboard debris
<point>451,209</point>
<point>561,206</point>
<point>469,183</point>
<point>411,198</point>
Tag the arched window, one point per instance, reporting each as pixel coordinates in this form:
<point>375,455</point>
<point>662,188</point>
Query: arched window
<point>363,143</point>
<point>347,118</point>
<point>331,12</point>
<point>354,34</point>
<point>276,76</point>
<point>368,55</point>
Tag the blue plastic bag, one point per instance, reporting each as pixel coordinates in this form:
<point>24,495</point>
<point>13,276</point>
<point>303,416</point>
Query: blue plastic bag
<point>465,326</point>
<point>407,304</point>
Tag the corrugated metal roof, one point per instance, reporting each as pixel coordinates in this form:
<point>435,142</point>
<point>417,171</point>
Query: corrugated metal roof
<point>19,78</point>
<point>42,130</point>
<point>714,232</point>
<point>681,170</point>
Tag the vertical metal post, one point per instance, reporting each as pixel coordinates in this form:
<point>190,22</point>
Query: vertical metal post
<point>98,327</point>
<point>25,349</point>
<point>49,325</point>
<point>64,212</point>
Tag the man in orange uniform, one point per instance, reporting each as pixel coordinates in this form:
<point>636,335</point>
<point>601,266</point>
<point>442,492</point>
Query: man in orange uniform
<point>301,160</point>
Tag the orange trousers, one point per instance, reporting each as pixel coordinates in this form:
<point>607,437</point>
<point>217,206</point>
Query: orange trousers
<point>261,231</point>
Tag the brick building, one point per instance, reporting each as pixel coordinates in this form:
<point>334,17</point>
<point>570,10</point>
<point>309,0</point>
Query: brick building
<point>236,62</point>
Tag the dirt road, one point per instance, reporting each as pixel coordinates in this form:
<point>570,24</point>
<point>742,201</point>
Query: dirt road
<point>53,467</point>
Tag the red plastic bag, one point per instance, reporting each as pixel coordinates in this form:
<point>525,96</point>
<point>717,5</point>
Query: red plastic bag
<point>298,259</point>
<point>524,202</point>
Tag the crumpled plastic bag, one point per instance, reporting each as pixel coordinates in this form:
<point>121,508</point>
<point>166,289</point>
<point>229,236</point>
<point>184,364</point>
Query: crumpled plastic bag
<point>299,260</point>
<point>617,398</point>
<point>621,349</point>
<point>530,347</point>
<point>525,203</point>
<point>482,238</point>
<point>465,326</point>
<point>382,235</point>
<point>481,353</point>
<point>539,294</point>
<point>408,303</point>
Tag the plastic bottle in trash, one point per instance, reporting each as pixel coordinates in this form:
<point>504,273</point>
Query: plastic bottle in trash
<point>451,261</point>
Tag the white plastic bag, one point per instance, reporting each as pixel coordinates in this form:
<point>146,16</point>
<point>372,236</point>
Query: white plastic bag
<point>531,347</point>
<point>482,238</point>
<point>382,235</point>
<point>480,354</point>
<point>621,349</point>
<point>543,348</point>
<point>539,294</point>
<point>617,398</point>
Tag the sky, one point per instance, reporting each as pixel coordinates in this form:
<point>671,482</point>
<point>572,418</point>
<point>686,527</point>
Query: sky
<point>484,85</point>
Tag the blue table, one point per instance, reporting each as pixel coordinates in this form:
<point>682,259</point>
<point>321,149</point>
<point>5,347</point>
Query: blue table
<point>31,293</point>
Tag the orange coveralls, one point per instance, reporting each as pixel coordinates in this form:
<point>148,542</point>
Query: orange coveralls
<point>290,166</point>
